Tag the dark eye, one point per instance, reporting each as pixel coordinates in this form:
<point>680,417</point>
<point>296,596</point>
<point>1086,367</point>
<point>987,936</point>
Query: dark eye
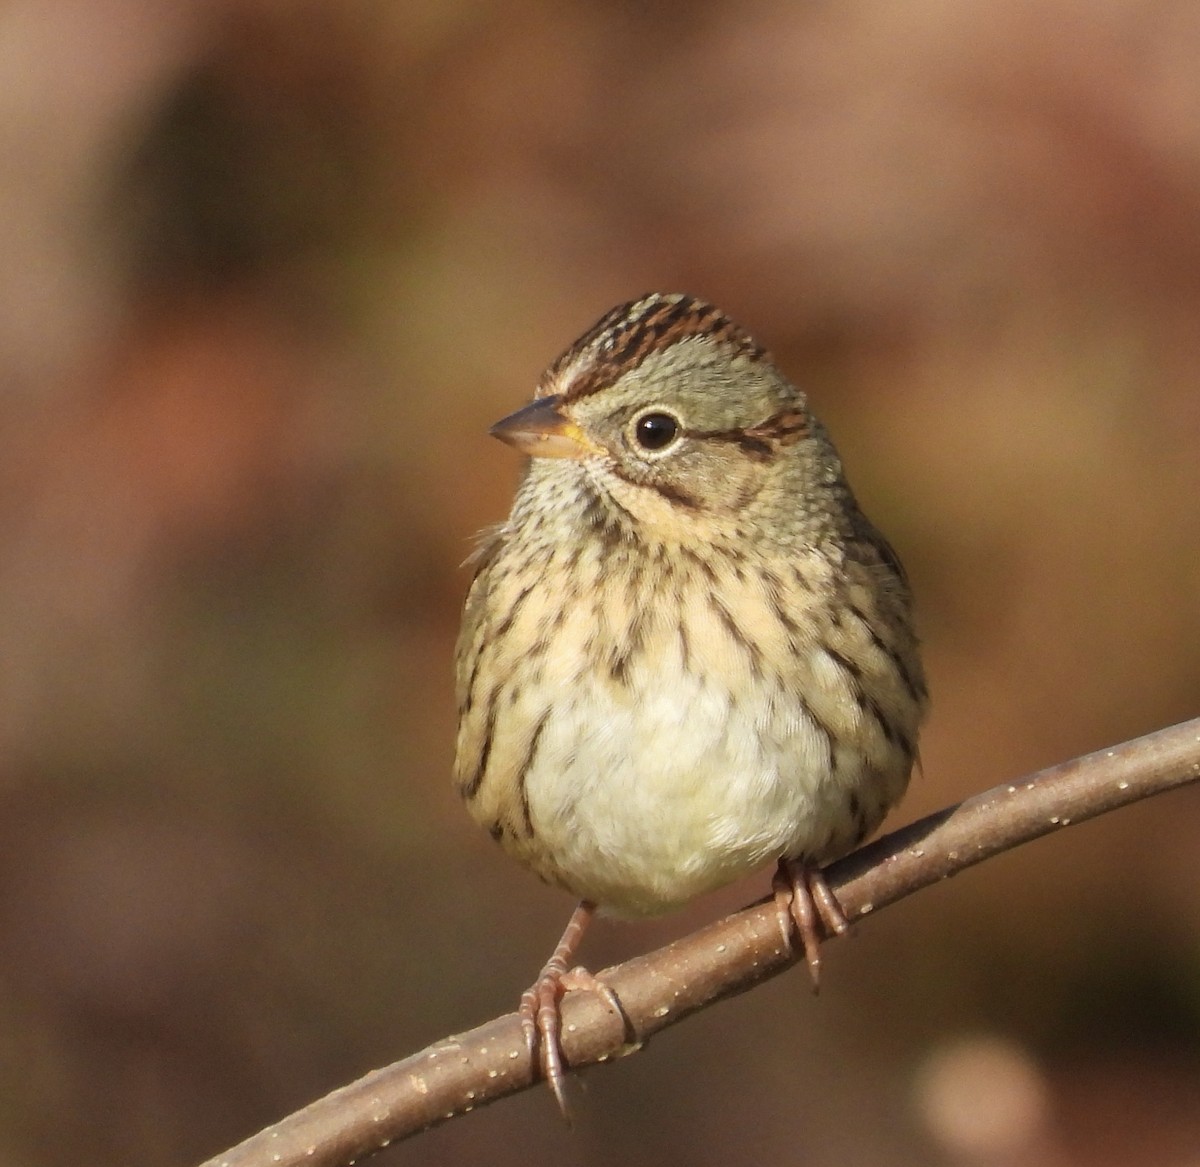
<point>655,431</point>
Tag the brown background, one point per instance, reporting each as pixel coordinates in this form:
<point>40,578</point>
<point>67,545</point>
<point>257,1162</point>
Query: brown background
<point>267,272</point>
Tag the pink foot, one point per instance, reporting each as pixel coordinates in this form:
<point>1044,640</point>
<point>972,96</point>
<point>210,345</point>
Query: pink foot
<point>807,908</point>
<point>541,1004</point>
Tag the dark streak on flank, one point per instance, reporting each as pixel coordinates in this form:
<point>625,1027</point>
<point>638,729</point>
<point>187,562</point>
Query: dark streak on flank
<point>866,703</point>
<point>468,700</point>
<point>471,788</point>
<point>526,816</point>
<point>501,630</point>
<point>844,662</point>
<point>915,691</point>
<point>892,733</point>
<point>822,729</point>
<point>526,766</point>
<point>871,706</point>
<point>513,612</point>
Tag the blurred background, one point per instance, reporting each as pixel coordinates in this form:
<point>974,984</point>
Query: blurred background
<point>269,269</point>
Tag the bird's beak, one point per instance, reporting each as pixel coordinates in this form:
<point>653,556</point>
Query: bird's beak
<point>542,430</point>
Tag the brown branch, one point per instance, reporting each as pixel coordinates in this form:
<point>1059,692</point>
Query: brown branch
<point>659,989</point>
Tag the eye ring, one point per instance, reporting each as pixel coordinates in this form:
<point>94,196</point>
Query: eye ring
<point>656,430</point>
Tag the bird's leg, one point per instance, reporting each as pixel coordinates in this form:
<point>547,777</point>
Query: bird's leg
<point>541,1015</point>
<point>807,908</point>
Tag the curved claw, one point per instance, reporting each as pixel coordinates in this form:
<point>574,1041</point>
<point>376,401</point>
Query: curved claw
<point>807,908</point>
<point>540,1010</point>
<point>541,1023</point>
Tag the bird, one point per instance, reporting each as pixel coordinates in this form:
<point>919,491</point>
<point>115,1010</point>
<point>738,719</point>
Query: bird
<point>686,654</point>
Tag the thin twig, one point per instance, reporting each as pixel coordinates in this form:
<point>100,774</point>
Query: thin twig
<point>463,1072</point>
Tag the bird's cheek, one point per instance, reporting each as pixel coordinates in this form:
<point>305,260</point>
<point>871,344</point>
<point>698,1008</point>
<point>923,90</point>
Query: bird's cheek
<point>733,488</point>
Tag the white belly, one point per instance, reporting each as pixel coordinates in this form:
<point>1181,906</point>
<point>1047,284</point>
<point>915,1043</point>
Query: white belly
<point>647,802</point>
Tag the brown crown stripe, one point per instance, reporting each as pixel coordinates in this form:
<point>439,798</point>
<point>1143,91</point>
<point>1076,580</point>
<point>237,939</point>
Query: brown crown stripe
<point>623,338</point>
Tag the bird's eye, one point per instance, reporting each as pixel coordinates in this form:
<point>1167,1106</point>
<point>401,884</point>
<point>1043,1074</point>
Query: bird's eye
<point>655,431</point>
